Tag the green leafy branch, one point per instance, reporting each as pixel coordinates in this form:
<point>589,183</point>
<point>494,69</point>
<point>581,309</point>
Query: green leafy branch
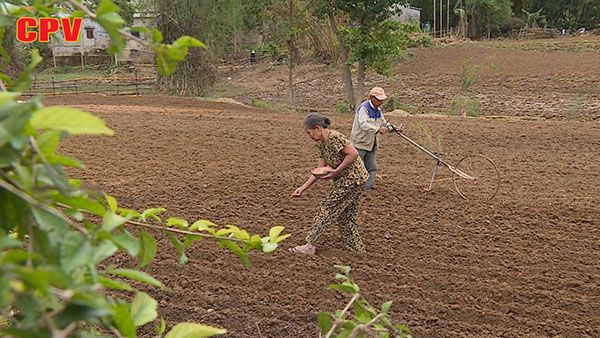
<point>237,240</point>
<point>358,318</point>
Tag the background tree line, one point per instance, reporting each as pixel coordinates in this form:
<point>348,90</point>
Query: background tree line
<point>353,33</point>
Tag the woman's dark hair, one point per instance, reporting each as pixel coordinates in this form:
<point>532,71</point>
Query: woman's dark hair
<point>313,120</point>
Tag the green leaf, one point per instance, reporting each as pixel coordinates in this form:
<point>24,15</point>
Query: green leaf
<point>69,119</point>
<point>238,233</point>
<point>22,82</point>
<point>157,36</point>
<point>137,275</point>
<point>346,287</point>
<point>269,247</point>
<point>282,238</point>
<point>114,284</point>
<point>103,251</point>
<point>238,251</point>
<point>83,203</point>
<point>129,213</point>
<point>66,161</point>
<point>325,322</point>
<point>361,315</point>
<point>147,248</point>
<point>345,269</point>
<point>8,96</point>
<point>385,307</point>
<point>340,276</point>
<point>112,202</point>
<point>179,247</point>
<point>8,156</point>
<point>7,241</point>
<point>177,222</point>
<point>123,320</point>
<point>187,41</point>
<point>76,251</point>
<point>161,328</point>
<point>13,118</point>
<point>202,225</point>
<point>190,240</point>
<point>106,6</point>
<point>126,241</point>
<point>82,309</point>
<point>110,221</point>
<point>193,330</point>
<point>112,18</point>
<point>48,142</point>
<point>274,233</point>
<point>143,309</point>
<point>152,213</point>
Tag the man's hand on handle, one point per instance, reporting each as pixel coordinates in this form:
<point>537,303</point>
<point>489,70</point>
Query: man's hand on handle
<point>395,128</point>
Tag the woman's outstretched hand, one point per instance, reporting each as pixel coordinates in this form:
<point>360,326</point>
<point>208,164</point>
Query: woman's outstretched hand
<point>297,193</point>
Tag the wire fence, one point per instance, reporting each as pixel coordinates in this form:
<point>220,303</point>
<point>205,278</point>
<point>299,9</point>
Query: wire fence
<point>135,85</point>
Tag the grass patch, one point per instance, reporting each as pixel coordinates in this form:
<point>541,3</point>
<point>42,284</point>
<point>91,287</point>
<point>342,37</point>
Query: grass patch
<point>70,73</point>
<point>258,103</point>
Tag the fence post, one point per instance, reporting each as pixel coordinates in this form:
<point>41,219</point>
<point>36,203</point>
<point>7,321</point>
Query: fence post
<point>53,88</point>
<point>117,87</point>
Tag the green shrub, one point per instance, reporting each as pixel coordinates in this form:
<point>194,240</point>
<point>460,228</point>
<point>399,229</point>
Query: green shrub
<point>342,107</point>
<point>465,106</point>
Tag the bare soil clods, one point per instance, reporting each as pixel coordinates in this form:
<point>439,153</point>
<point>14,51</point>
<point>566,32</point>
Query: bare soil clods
<point>525,265</point>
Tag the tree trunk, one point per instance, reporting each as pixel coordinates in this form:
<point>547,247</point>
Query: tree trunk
<point>346,72</point>
<point>360,82</point>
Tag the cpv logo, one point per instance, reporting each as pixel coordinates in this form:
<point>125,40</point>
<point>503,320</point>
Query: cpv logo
<point>32,29</point>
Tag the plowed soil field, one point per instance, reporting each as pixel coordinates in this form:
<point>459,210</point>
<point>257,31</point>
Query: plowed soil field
<point>526,264</point>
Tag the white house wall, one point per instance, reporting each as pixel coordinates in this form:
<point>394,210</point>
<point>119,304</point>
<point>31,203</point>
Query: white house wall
<point>99,42</point>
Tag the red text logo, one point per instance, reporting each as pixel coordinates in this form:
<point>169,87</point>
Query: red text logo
<point>32,29</point>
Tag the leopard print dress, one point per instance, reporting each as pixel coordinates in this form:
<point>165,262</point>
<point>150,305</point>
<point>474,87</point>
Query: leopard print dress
<point>341,204</point>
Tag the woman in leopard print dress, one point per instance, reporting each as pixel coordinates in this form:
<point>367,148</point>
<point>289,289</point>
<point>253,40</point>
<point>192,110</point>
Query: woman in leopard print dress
<point>349,175</point>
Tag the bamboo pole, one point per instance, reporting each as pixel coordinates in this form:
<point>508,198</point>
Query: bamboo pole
<point>441,17</point>
<point>448,17</point>
<point>434,17</point>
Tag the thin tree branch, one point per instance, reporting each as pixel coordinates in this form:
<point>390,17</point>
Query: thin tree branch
<point>50,168</point>
<point>33,202</point>
<point>332,330</point>
<point>185,232</point>
<point>125,34</point>
<point>173,230</point>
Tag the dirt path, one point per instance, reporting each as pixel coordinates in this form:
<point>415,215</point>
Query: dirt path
<point>527,265</point>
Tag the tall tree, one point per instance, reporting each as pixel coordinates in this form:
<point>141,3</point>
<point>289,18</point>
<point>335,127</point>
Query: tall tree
<point>196,74</point>
<point>488,15</point>
<point>368,38</point>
